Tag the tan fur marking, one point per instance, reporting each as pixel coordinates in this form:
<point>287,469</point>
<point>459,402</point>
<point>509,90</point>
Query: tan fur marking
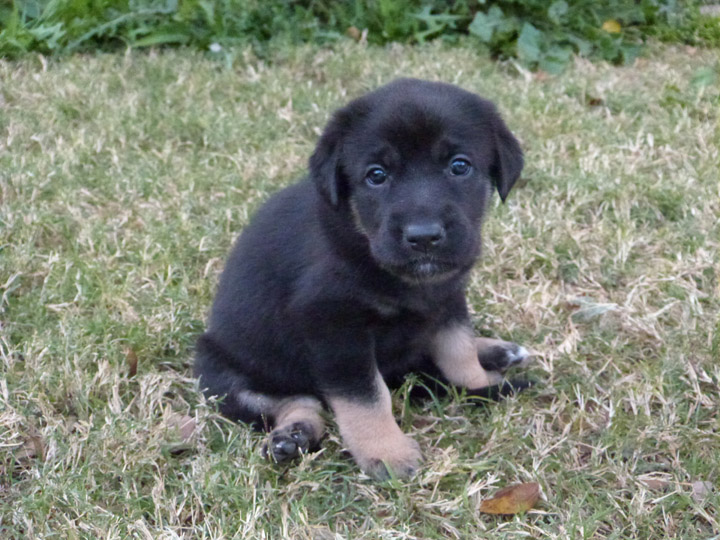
<point>372,435</point>
<point>356,218</point>
<point>487,343</point>
<point>455,354</point>
<point>304,409</point>
<point>257,402</point>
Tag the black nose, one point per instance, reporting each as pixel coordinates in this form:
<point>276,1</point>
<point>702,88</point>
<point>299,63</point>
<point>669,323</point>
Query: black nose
<point>423,236</point>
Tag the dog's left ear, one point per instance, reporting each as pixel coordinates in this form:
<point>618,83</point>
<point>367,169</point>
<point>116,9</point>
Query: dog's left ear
<point>507,160</point>
<point>325,168</point>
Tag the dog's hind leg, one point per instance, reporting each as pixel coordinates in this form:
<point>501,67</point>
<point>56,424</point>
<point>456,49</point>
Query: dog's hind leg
<point>295,420</point>
<point>298,428</point>
<point>219,377</point>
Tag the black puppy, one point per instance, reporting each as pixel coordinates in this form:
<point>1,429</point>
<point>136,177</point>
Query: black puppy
<point>348,280</point>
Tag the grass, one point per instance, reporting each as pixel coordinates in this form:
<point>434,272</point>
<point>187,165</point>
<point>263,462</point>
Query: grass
<point>125,178</point>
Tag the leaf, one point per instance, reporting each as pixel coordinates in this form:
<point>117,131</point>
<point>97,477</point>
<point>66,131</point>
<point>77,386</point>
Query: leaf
<point>557,10</point>
<point>161,38</point>
<point>51,34</point>
<point>528,43</point>
<point>484,25</point>
<point>654,481</point>
<point>503,23</point>
<point>33,447</point>
<point>556,59</point>
<point>552,65</point>
<point>584,47</point>
<point>132,362</point>
<point>611,26</point>
<point>589,309</point>
<point>629,53</point>
<point>705,76</point>
<point>512,499</point>
<point>436,23</point>
<point>208,9</point>
<point>353,33</point>
<point>607,47</point>
<point>184,424</point>
<point>700,490</point>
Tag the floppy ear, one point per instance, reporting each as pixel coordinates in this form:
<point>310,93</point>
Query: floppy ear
<point>325,160</point>
<point>508,158</point>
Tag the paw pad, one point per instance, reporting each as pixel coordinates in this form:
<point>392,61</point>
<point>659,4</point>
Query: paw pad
<point>287,443</point>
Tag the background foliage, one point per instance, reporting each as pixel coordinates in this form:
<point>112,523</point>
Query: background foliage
<point>540,33</point>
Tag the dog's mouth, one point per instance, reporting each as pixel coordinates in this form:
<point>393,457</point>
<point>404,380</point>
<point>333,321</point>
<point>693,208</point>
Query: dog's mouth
<point>424,270</point>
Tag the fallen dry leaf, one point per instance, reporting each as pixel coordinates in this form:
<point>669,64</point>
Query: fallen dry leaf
<point>612,26</point>
<point>656,483</point>
<point>184,424</point>
<point>354,33</point>
<point>24,455</point>
<point>700,490</point>
<point>132,361</point>
<point>512,499</point>
<point>33,447</point>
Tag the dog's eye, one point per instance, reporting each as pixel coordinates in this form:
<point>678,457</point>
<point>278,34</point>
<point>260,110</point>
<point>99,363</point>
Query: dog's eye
<point>376,176</point>
<point>460,167</point>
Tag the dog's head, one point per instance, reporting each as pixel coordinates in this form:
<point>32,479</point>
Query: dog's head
<point>414,163</point>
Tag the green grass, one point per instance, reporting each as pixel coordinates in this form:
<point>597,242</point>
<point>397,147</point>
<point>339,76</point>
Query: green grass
<point>125,178</point>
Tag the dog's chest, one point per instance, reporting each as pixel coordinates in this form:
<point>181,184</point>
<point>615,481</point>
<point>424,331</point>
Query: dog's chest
<point>419,306</point>
<point>402,336</point>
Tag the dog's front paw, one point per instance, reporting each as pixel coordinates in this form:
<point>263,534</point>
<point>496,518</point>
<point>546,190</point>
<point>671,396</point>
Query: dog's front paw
<point>399,457</point>
<point>498,355</point>
<point>287,443</point>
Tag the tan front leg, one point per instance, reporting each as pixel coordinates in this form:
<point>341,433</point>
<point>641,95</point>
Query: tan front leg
<point>455,353</point>
<point>371,434</point>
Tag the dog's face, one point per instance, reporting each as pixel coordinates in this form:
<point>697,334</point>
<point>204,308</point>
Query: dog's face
<point>414,163</point>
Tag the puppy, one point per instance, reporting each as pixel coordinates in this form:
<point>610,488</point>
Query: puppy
<point>348,280</point>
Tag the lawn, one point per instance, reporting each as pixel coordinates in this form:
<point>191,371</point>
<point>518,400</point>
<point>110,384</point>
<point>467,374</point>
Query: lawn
<point>123,182</point>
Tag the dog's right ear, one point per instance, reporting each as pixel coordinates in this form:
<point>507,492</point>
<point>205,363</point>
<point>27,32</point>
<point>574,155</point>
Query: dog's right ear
<point>509,161</point>
<point>325,168</point>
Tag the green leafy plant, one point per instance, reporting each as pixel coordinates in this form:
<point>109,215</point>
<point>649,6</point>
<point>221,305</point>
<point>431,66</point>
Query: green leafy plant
<point>540,34</point>
<point>546,35</point>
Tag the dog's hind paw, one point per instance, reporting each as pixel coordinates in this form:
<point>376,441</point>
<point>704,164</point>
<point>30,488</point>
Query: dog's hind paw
<point>289,442</point>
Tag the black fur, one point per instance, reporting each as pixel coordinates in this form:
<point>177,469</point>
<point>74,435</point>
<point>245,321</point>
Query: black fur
<point>324,284</point>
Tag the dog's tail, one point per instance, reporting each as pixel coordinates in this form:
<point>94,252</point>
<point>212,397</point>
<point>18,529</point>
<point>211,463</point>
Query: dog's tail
<point>218,376</point>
